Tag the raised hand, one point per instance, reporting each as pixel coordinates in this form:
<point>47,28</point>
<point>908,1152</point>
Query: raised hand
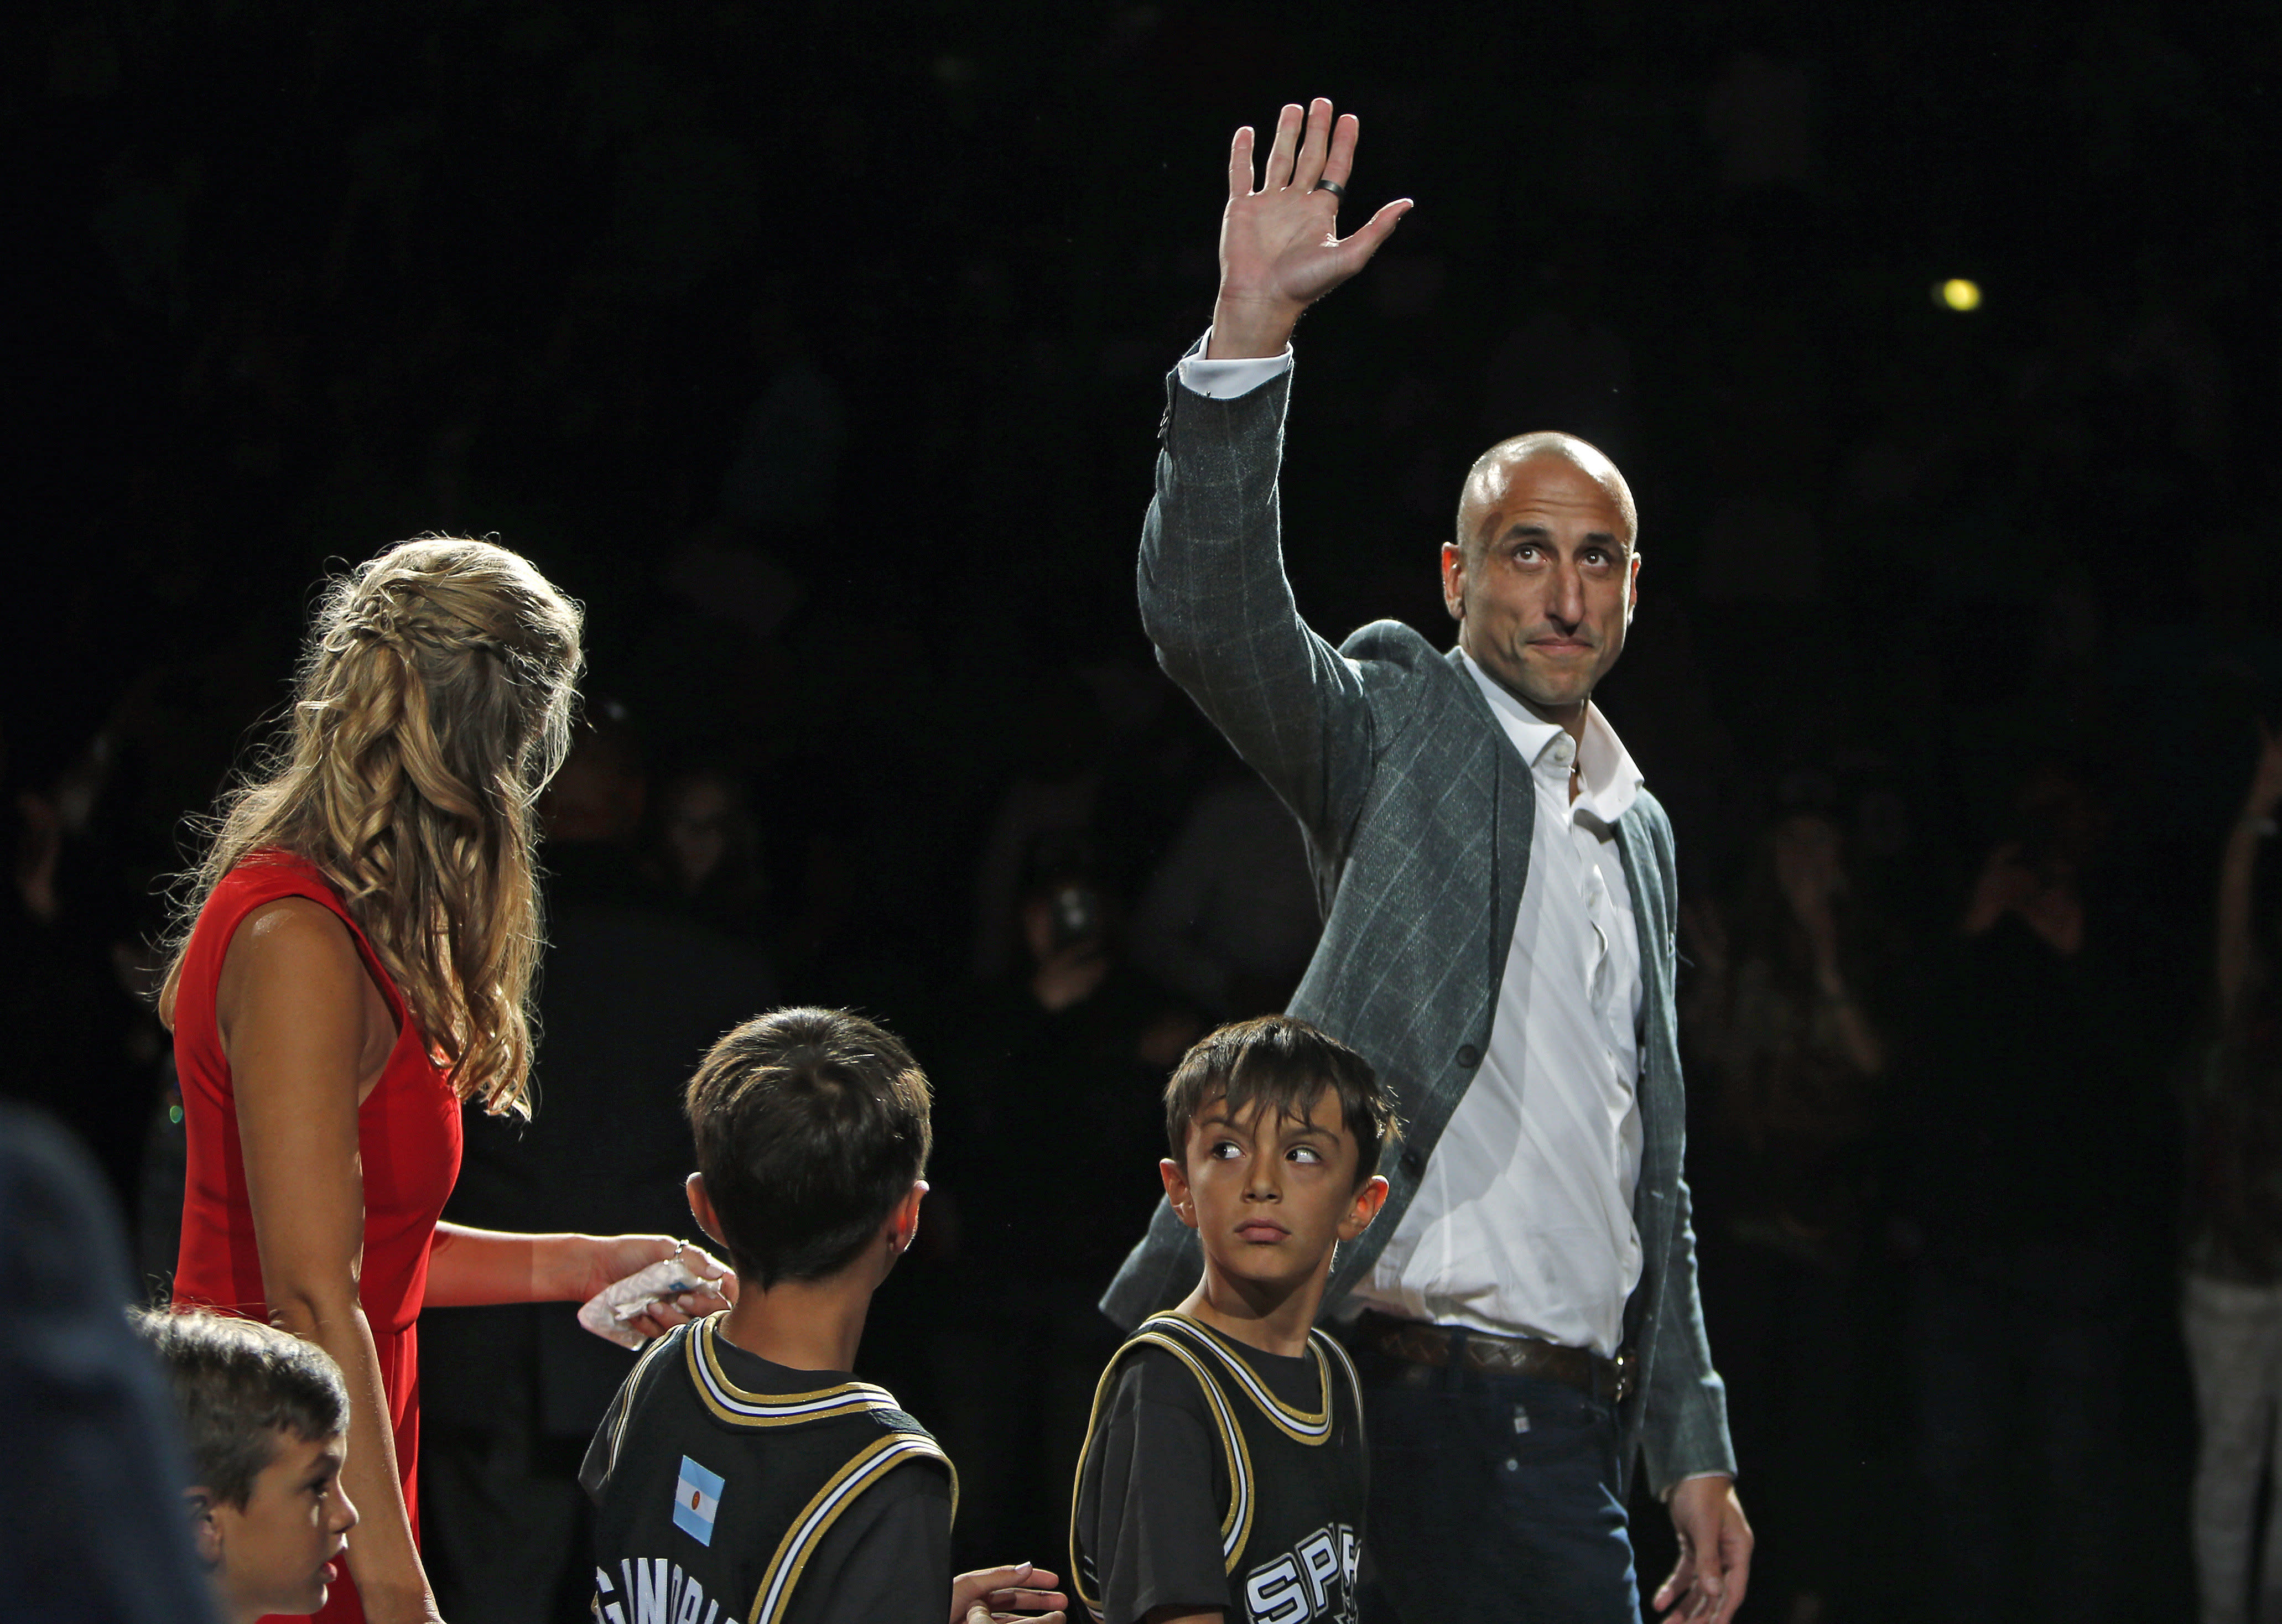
<point>1280,250</point>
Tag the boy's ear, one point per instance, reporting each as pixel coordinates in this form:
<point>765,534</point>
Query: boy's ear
<point>205,1527</point>
<point>1177,1191</point>
<point>1367,1201</point>
<point>903,1222</point>
<point>700,1207</point>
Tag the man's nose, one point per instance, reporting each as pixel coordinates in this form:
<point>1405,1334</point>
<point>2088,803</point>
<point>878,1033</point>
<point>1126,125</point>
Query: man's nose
<point>1564,600</point>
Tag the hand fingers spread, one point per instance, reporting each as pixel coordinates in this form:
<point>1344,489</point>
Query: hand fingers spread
<point>1239,164</point>
<point>1280,157</point>
<point>1310,166</point>
<point>1339,163</point>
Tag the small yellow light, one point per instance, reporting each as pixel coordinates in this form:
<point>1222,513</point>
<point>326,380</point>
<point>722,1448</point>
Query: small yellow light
<point>1958,294</point>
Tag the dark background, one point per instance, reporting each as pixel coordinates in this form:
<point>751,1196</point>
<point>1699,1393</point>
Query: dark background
<point>817,350</point>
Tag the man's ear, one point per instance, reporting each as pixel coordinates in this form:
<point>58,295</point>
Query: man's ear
<point>1454,579</point>
<point>1367,1201</point>
<point>1177,1191</point>
<point>700,1207</point>
<point>205,1527</point>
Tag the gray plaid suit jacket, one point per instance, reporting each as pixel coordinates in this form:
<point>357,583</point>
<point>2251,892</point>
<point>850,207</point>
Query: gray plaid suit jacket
<point>1418,813</point>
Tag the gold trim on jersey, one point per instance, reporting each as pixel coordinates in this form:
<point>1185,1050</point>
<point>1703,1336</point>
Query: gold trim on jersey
<point>868,1466</point>
<point>1355,1382</point>
<point>634,1386</point>
<point>732,1404</point>
<point>1298,1424</point>
<point>1236,1522</point>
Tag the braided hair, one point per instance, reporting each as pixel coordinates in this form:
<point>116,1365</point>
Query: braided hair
<point>434,702</point>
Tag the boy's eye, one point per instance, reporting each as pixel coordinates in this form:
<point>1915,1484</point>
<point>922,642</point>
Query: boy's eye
<point>1305,1153</point>
<point>1226,1150</point>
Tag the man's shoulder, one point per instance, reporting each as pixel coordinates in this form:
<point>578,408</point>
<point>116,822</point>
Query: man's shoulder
<point>1396,642</point>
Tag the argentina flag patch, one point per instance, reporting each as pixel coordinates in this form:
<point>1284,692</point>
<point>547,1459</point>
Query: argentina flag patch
<point>696,1500</point>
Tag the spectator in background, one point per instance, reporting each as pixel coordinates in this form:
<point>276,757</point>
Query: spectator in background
<point>1799,1059</point>
<point>1066,1057</point>
<point>1055,790</point>
<point>635,991</point>
<point>2038,1191</point>
<point>707,852</point>
<point>2233,1301</point>
<point>1230,918</point>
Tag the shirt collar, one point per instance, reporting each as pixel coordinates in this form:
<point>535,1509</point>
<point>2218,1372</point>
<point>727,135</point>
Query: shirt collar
<point>1608,781</point>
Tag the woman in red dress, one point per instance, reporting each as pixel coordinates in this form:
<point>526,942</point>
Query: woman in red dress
<point>361,943</point>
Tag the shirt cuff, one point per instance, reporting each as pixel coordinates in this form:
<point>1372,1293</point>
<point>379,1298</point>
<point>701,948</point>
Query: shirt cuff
<point>1224,380</point>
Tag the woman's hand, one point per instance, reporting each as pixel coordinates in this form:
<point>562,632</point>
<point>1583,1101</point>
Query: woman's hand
<point>587,1263</point>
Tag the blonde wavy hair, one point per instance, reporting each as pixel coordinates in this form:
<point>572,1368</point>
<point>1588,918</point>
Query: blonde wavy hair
<point>434,702</point>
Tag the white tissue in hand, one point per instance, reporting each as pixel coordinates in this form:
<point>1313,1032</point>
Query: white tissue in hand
<point>606,1314</point>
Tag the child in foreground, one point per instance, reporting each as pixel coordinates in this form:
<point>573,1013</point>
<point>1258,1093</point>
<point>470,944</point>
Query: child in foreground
<point>743,1472</point>
<point>266,1419</point>
<point>1224,1470</point>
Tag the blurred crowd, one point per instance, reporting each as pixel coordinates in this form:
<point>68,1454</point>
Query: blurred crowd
<point>819,362</point>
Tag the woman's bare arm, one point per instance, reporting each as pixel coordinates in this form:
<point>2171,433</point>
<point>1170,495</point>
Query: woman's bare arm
<point>297,1028</point>
<point>469,1266</point>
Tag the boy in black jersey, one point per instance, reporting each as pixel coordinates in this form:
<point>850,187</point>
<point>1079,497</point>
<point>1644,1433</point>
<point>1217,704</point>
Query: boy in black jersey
<point>741,1475</point>
<point>1224,1473</point>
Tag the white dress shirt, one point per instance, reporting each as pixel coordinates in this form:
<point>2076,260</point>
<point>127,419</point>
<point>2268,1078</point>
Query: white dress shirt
<point>1523,1223</point>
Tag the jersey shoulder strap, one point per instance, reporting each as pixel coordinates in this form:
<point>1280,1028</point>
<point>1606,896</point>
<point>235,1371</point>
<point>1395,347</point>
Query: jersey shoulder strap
<point>1327,1346</point>
<point>901,1441</point>
<point>631,1391</point>
<point>1177,1337</point>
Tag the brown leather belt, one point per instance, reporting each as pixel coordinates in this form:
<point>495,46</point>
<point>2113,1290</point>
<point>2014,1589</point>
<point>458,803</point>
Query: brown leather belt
<point>1415,1342</point>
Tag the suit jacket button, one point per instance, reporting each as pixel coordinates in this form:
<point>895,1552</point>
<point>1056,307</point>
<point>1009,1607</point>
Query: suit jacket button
<point>1470,1057</point>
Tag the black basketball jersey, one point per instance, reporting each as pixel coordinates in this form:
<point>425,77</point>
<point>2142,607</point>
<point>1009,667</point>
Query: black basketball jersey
<point>1295,1481</point>
<point>710,1500</point>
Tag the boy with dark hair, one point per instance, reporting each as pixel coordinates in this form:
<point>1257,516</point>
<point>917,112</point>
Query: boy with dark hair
<point>742,1473</point>
<point>265,1417</point>
<point>1224,1474</point>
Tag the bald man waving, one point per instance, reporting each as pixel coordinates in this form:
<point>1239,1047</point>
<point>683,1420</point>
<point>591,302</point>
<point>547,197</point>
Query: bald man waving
<point>1498,940</point>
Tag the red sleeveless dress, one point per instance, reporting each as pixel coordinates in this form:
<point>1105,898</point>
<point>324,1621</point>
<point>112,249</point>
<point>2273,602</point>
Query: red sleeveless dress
<point>408,1137</point>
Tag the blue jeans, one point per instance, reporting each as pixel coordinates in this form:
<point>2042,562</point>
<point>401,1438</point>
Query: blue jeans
<point>1491,1498</point>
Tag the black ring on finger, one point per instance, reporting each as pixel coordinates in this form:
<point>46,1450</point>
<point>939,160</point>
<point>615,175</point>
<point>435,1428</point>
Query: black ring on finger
<point>1332,187</point>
